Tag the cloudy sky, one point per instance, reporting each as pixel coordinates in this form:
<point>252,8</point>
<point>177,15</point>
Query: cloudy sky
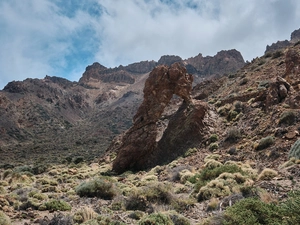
<point>61,37</point>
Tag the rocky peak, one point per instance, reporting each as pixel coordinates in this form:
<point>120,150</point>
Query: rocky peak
<point>169,60</point>
<point>295,36</point>
<point>223,62</point>
<point>141,67</point>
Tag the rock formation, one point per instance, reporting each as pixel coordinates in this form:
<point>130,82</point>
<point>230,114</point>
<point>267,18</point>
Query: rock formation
<point>139,146</point>
<point>295,36</point>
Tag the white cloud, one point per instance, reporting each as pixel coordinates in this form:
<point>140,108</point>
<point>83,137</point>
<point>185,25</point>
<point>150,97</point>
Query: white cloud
<point>61,37</point>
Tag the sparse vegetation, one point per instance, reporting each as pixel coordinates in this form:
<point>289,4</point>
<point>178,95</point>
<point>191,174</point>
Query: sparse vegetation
<point>156,219</point>
<point>267,174</point>
<point>264,143</point>
<point>295,150</point>
<point>98,187</point>
<point>4,219</point>
<point>233,135</point>
<point>57,205</point>
<point>288,118</point>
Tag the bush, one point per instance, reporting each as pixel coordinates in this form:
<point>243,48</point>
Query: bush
<point>156,219</point>
<point>288,118</point>
<point>57,205</point>
<point>84,214</point>
<point>154,193</point>
<point>290,208</point>
<point>264,143</point>
<point>295,150</point>
<point>213,138</point>
<point>252,211</point>
<point>233,135</point>
<point>99,187</point>
<point>4,219</point>
<point>267,174</point>
<point>213,146</point>
<point>208,174</point>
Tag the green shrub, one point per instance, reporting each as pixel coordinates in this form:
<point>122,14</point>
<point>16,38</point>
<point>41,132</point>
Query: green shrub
<point>232,114</point>
<point>208,174</point>
<point>57,205</point>
<point>290,208</point>
<point>213,138</point>
<point>252,211</point>
<point>288,118</point>
<point>264,143</point>
<point>99,187</point>
<point>213,146</point>
<point>156,219</point>
<point>4,219</point>
<point>295,150</point>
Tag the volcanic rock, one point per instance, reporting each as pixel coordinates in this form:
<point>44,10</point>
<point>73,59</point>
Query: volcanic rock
<point>139,146</point>
<point>295,36</point>
<point>169,60</point>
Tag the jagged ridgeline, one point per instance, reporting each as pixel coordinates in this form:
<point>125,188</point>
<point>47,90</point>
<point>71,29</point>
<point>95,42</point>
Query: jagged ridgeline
<point>53,119</point>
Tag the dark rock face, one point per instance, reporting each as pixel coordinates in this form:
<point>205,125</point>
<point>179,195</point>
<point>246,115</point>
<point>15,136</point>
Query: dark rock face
<point>139,148</point>
<point>97,72</point>
<point>223,62</point>
<point>169,60</point>
<point>295,36</point>
<point>15,87</point>
<point>277,46</point>
<point>141,67</point>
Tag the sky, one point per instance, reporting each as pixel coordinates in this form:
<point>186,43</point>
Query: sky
<point>62,37</point>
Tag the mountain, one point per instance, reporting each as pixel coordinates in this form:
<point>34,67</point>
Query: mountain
<point>53,118</point>
<point>225,150</point>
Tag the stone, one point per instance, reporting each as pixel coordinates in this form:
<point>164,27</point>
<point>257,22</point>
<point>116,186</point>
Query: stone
<point>139,148</point>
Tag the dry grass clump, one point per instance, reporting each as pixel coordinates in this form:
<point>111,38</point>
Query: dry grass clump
<point>267,174</point>
<point>144,198</point>
<point>224,185</point>
<point>211,164</point>
<point>4,219</point>
<point>84,214</point>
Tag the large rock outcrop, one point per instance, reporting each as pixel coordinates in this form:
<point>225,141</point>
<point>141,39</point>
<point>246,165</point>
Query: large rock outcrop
<point>139,147</point>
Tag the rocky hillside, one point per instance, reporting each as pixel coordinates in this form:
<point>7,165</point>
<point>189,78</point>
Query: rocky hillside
<point>53,118</point>
<point>224,151</point>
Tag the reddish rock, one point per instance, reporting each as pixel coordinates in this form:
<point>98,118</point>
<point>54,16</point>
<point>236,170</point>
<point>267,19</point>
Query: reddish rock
<point>140,148</point>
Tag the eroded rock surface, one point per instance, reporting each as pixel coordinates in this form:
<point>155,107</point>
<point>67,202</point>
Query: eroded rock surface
<point>139,148</point>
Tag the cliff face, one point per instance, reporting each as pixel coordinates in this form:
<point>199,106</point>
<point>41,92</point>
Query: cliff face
<point>223,62</point>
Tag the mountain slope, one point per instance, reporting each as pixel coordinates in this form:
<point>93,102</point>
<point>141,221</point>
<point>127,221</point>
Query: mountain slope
<point>53,118</point>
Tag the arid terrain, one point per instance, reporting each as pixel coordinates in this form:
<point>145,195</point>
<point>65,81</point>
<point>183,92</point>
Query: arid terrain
<point>146,144</point>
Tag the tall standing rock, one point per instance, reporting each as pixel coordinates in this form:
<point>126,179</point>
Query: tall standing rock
<point>139,148</point>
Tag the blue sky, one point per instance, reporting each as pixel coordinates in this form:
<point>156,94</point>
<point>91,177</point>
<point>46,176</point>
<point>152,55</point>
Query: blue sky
<point>62,37</point>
